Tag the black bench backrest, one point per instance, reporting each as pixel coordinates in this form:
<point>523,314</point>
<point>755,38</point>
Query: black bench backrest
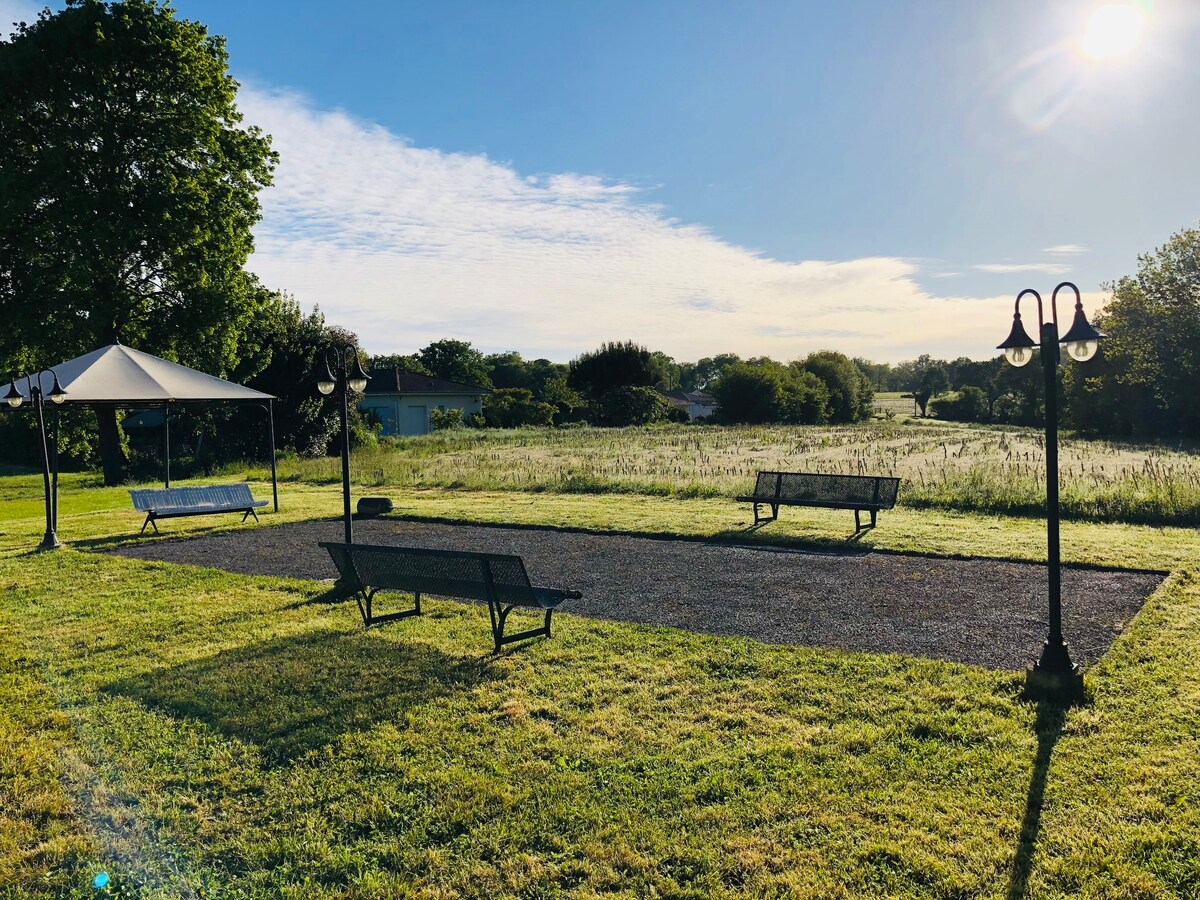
<point>447,573</point>
<point>870,490</point>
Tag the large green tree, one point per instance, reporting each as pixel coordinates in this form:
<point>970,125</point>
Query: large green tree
<point>851,396</point>
<point>1145,382</point>
<point>456,361</point>
<point>128,190</point>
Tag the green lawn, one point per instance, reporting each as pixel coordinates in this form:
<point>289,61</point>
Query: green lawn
<point>195,733</point>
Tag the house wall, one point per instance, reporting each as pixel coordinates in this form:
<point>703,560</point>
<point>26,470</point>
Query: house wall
<point>408,414</point>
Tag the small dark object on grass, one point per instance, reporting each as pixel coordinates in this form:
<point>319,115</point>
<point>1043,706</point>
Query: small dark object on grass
<point>370,507</point>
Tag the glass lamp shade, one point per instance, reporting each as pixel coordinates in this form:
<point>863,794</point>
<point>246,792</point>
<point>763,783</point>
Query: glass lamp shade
<point>1018,356</point>
<point>13,398</point>
<point>1081,340</point>
<point>1018,346</point>
<point>57,394</point>
<point>358,378</point>
<point>325,380</point>
<point>1082,351</point>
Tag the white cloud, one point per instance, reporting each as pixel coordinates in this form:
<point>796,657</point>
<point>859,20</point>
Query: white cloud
<point>1066,249</point>
<point>405,245</point>
<point>1044,268</point>
<point>16,11</point>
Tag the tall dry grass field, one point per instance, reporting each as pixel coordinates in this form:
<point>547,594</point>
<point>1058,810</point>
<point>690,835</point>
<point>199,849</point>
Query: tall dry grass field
<point>945,466</point>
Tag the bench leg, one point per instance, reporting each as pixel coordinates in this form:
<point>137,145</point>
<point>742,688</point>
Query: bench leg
<point>365,600</point>
<point>248,514</point>
<point>873,512</point>
<point>758,520</point>
<point>500,616</point>
<point>857,523</point>
<point>149,521</point>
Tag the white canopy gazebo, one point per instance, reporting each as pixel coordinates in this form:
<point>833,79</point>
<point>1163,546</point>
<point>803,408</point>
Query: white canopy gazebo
<point>121,376</point>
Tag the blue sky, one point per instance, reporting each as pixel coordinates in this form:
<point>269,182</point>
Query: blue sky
<point>876,177</point>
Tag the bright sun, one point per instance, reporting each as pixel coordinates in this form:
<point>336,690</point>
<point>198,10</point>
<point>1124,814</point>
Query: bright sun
<point>1113,30</point>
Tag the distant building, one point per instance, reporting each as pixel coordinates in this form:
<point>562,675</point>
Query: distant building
<point>697,404</point>
<point>402,401</point>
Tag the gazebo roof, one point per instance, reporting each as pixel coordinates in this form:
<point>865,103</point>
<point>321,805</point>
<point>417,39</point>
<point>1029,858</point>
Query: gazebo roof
<point>118,374</point>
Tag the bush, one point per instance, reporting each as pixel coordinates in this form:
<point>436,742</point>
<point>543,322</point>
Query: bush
<point>968,405</point>
<point>622,406</point>
<point>442,419</point>
<point>759,393</point>
<point>514,407</point>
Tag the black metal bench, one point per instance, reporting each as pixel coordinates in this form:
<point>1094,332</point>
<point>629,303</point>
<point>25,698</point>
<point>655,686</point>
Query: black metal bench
<point>502,581</point>
<point>170,503</point>
<point>861,493</point>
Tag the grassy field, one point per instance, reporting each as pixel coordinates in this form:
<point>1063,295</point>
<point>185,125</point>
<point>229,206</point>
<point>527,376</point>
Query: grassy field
<point>200,734</point>
<point>943,466</point>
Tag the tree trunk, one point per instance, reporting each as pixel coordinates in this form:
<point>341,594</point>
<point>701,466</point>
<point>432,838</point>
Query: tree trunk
<point>112,454</point>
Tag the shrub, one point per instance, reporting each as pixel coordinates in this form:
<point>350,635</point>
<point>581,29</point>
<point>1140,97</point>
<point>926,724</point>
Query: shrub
<point>514,407</point>
<point>968,405</point>
<point>442,419</point>
<point>622,406</point>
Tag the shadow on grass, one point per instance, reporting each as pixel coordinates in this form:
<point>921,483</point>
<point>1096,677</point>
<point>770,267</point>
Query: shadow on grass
<point>294,694</point>
<point>1049,723</point>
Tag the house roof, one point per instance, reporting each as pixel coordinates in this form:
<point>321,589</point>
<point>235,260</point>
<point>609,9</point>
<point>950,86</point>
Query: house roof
<point>697,397</point>
<point>116,374</point>
<point>397,381</point>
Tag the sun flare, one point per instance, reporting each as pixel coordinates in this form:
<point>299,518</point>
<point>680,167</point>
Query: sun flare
<point>1113,30</point>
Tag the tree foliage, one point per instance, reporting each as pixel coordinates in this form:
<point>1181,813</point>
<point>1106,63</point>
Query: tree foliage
<point>613,365</point>
<point>619,407</point>
<point>455,361</point>
<point>850,392</point>
<point>128,189</point>
<point>767,391</point>
<point>1145,382</point>
<point>514,407</point>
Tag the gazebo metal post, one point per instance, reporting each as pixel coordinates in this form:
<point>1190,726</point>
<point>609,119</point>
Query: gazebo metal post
<point>274,474</point>
<point>167,442</point>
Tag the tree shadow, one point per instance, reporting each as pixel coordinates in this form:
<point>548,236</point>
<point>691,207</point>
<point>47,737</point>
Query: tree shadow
<point>1051,717</point>
<point>290,695</point>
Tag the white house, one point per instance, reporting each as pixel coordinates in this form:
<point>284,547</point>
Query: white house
<point>402,401</point>
<point>697,404</point>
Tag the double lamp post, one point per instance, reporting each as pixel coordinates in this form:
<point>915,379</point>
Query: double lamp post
<point>1081,343</point>
<point>14,399</point>
<point>343,372</point>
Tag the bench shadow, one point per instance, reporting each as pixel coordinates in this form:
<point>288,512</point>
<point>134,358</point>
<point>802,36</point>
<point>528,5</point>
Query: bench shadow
<point>291,695</point>
<point>1051,718</point>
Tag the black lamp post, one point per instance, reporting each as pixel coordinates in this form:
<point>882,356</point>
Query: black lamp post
<point>343,371</point>
<point>1081,343</point>
<point>57,395</point>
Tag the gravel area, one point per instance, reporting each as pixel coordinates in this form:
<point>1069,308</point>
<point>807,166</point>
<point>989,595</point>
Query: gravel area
<point>980,611</point>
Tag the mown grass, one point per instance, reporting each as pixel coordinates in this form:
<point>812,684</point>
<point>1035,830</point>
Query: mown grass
<point>196,733</point>
<point>989,470</point>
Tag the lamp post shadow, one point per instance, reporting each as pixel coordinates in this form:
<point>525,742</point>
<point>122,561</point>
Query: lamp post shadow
<point>1048,725</point>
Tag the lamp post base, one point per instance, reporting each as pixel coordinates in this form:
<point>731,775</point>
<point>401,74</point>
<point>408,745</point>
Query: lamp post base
<point>1061,687</point>
<point>50,542</point>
